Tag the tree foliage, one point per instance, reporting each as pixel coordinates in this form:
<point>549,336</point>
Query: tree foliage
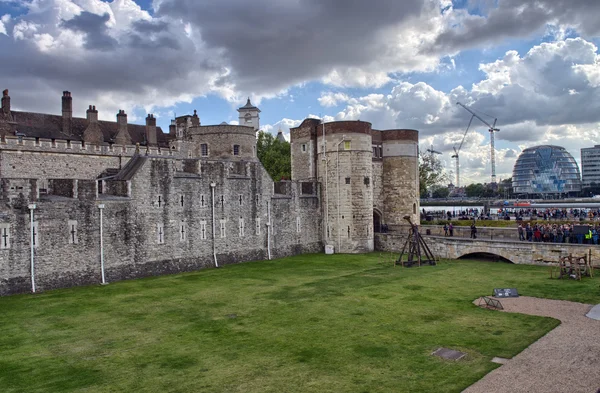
<point>440,192</point>
<point>275,156</point>
<point>431,173</point>
<point>480,190</point>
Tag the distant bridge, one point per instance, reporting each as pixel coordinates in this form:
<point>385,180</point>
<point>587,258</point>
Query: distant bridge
<point>518,252</point>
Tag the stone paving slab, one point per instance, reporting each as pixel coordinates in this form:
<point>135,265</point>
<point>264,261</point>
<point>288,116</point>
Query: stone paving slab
<point>594,313</point>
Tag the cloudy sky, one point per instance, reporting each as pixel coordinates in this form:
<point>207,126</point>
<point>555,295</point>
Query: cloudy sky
<point>533,65</point>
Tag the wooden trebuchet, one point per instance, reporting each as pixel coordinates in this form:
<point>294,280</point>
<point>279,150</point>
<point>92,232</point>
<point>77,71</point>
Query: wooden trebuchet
<point>417,251</point>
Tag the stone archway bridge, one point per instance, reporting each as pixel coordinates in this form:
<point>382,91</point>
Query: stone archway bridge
<point>518,252</point>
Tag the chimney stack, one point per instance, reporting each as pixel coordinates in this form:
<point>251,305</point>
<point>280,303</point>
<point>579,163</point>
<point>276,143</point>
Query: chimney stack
<point>123,137</point>
<point>93,134</point>
<point>195,119</point>
<point>67,111</point>
<point>92,114</point>
<point>5,102</point>
<point>151,130</point>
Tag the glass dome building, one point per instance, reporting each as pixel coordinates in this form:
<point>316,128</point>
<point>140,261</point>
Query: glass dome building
<point>546,169</point>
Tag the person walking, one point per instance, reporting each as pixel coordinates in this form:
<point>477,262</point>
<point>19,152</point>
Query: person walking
<point>473,231</point>
<point>445,229</point>
<point>520,230</point>
<point>451,229</point>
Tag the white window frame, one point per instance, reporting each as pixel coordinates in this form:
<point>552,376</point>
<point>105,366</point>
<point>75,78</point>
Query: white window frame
<point>182,231</point>
<point>223,228</point>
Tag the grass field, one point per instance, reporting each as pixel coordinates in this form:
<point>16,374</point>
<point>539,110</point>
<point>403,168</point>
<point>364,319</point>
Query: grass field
<point>312,323</point>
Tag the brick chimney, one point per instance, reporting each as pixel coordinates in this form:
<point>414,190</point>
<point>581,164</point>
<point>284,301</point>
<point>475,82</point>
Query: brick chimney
<point>195,119</point>
<point>123,137</point>
<point>93,133</point>
<point>151,130</point>
<point>67,112</point>
<point>92,114</point>
<point>5,102</point>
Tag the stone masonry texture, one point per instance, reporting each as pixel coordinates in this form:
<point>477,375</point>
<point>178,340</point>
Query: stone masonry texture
<point>160,201</point>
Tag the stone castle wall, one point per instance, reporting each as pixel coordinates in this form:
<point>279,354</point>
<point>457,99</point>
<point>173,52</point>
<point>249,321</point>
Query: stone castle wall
<point>164,227</point>
<point>44,159</point>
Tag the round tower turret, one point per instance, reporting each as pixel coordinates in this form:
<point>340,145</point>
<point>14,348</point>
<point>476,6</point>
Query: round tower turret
<point>400,175</point>
<point>345,170</point>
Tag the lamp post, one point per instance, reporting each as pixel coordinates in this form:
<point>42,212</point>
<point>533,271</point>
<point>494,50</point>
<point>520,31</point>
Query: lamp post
<point>32,207</point>
<point>101,208</point>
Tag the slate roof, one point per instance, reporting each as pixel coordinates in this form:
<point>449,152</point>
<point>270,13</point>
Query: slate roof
<point>248,106</point>
<point>46,126</point>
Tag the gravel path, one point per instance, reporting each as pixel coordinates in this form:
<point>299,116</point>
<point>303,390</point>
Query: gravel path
<point>566,360</point>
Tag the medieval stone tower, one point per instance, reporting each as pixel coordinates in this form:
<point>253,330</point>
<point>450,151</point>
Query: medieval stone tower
<point>368,178</point>
<point>249,115</point>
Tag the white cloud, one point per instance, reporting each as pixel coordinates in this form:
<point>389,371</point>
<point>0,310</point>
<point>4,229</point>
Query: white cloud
<point>3,21</point>
<point>548,96</point>
<point>332,99</point>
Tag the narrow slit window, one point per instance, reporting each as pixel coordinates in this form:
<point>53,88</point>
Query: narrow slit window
<point>241,227</point>
<point>160,233</point>
<point>202,230</point>
<point>72,225</point>
<point>4,236</point>
<point>182,231</point>
<point>222,228</point>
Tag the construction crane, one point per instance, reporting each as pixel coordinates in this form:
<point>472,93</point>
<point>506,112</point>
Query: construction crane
<point>433,151</point>
<point>491,129</point>
<point>456,151</point>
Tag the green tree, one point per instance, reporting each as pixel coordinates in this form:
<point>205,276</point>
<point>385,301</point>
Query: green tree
<point>505,189</point>
<point>440,192</point>
<point>475,190</point>
<point>275,156</point>
<point>431,173</point>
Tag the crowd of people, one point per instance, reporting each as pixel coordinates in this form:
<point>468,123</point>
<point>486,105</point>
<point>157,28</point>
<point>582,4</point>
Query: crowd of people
<point>559,233</point>
<point>551,213</point>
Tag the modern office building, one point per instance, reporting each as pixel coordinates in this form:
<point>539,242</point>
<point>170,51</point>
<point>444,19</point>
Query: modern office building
<point>546,169</point>
<point>590,166</point>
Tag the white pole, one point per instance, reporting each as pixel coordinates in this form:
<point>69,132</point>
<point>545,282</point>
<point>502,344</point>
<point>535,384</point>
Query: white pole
<point>269,229</point>
<point>101,208</point>
<point>339,230</point>
<point>326,186</point>
<point>31,209</point>
<point>212,187</point>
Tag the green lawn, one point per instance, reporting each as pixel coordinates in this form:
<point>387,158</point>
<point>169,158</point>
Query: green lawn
<point>312,323</point>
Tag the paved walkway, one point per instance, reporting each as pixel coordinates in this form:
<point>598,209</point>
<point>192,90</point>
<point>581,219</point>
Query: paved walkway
<point>566,360</point>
